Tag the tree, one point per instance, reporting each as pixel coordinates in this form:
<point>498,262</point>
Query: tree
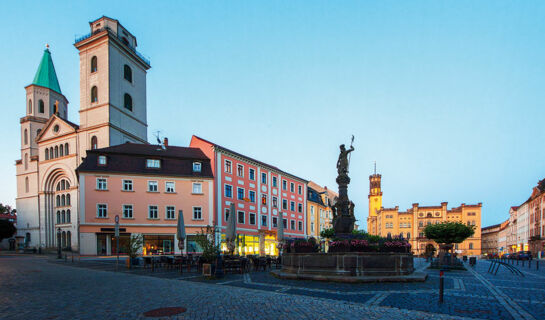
<point>207,240</point>
<point>448,232</point>
<point>7,229</point>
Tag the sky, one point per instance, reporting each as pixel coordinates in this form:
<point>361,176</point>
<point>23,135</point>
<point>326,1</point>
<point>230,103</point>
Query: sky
<point>446,97</point>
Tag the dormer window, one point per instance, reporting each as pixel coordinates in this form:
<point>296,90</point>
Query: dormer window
<point>153,163</point>
<point>101,160</point>
<point>197,167</point>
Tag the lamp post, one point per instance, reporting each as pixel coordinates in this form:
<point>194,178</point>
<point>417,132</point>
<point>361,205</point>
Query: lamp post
<point>59,255</point>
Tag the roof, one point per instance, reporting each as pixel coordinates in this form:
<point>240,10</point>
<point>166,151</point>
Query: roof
<point>131,158</point>
<point>251,159</point>
<point>46,76</point>
<point>314,196</point>
<point>491,227</point>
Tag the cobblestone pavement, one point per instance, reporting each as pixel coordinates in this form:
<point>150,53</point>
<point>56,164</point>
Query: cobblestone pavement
<point>33,287</point>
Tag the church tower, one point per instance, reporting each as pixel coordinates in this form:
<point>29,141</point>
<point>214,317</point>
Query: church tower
<point>375,201</point>
<point>112,87</point>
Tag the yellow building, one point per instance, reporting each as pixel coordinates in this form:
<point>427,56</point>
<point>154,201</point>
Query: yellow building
<point>410,224</point>
<point>319,216</point>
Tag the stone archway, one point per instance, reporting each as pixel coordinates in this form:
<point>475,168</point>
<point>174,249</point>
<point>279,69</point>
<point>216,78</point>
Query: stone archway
<point>51,189</point>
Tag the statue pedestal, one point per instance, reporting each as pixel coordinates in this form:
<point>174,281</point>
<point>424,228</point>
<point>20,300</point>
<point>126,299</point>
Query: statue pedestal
<point>344,224</point>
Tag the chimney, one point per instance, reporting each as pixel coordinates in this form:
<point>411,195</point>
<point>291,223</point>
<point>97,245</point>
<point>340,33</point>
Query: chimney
<point>165,142</point>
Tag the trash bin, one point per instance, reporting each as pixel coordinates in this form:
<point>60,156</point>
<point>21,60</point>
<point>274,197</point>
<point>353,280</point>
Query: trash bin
<point>472,261</point>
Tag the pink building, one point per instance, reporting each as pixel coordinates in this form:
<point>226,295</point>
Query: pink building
<point>145,185</point>
<point>263,195</point>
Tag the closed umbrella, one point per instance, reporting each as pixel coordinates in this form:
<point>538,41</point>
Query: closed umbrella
<point>280,230</point>
<point>231,232</point>
<point>180,233</point>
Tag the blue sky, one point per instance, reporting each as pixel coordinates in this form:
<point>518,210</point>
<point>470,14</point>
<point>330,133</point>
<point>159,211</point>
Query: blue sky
<point>446,96</point>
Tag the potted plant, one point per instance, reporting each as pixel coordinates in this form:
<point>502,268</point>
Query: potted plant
<point>134,244</point>
<point>206,240</point>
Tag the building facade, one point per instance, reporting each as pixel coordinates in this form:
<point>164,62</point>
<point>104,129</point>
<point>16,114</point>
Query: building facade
<point>263,196</point>
<point>490,239</point>
<point>410,224</point>
<point>112,111</point>
<point>145,186</point>
<point>319,202</point>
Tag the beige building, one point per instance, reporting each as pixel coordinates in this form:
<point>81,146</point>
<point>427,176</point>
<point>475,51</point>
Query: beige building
<point>490,239</point>
<point>410,224</point>
<point>319,216</point>
<point>112,111</point>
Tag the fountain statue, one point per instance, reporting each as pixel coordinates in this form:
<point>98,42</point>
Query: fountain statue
<point>343,208</point>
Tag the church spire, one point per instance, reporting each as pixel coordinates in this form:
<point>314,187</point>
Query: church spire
<point>46,76</point>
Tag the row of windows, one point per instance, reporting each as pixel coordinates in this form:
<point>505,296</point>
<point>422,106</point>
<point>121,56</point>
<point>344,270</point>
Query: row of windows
<point>228,165</point>
<point>127,71</point>
<point>153,186</point>
<point>57,151</point>
<point>41,106</point>
<point>241,195</point>
<point>241,219</point>
<point>153,212</point>
<point>62,200</point>
<point>63,216</point>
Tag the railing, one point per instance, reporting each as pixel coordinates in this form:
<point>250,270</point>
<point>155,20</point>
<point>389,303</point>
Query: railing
<point>495,264</point>
<point>141,56</point>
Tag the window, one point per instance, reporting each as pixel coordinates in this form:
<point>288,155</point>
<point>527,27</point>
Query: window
<point>170,213</point>
<point>94,143</point>
<point>421,224</point>
<point>284,185</point>
<point>30,106</point>
<point>240,170</point>
<point>275,202</point>
<point>228,167</point>
<point>63,200</point>
<point>408,235</point>
<point>153,163</point>
<point>227,211</point>
<point>127,73</point>
<point>264,221</point>
<point>285,223</point>
<point>300,207</point>
<point>228,191</point>
<point>312,227</point>
<point>292,224</point>
<point>292,206</point>
<point>127,101</point>
<point>240,194</point>
<point>300,226</point>
<point>252,218</point>
<point>197,188</point>
<point>58,217</point>
<point>94,94</point>
<point>46,154</point>
<point>471,246</point>
<point>153,186</point>
<point>300,189</point>
<point>127,211</point>
<point>41,106</point>
<point>56,151</point>
<point>66,152</point>
<point>26,161</point>
<point>274,182</point>
<point>127,185</point>
<point>264,199</point>
<point>26,184</point>
<point>251,174</point>
<point>25,136</point>
<point>63,216</point>
<point>292,187</point>
<point>68,216</point>
<point>197,167</point>
<point>102,184</point>
<point>284,204</point>
<point>275,222</point>
<point>94,64</point>
<point>251,194</point>
<point>170,187</point>
<point>264,178</point>
<point>197,213</point>
<point>102,210</point>
<point>102,160</point>
<point>241,217</point>
<point>153,212</point>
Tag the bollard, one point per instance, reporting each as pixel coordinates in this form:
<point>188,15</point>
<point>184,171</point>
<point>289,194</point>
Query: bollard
<point>537,265</point>
<point>441,286</point>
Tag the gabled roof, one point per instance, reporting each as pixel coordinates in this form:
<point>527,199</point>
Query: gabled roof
<point>45,75</point>
<point>50,121</point>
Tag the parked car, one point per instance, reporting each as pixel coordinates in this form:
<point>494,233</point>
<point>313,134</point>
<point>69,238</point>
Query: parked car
<point>524,255</point>
<point>507,255</point>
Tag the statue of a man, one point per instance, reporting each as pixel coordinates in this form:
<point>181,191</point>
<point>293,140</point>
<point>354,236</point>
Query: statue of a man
<point>342,163</point>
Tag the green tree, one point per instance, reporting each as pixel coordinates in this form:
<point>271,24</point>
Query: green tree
<point>448,232</point>
<point>7,229</point>
<point>207,240</point>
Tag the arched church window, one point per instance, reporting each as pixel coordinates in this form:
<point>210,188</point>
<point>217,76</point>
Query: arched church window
<point>26,161</point>
<point>94,94</point>
<point>68,238</point>
<point>67,184</point>
<point>25,136</point>
<point>61,150</point>
<point>94,64</point>
<point>127,73</point>
<point>68,199</point>
<point>56,151</point>
<point>58,217</point>
<point>63,200</point>
<point>26,184</point>
<point>63,243</point>
<point>30,106</point>
<point>63,185</point>
<point>51,154</point>
<point>41,106</point>
<point>58,186</point>
<point>128,102</point>
<point>46,154</point>
<point>68,217</point>
<point>66,149</point>
<point>58,201</point>
<point>63,216</point>
<point>94,142</point>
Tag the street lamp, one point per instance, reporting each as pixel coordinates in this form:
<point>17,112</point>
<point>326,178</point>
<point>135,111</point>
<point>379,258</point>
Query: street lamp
<point>59,256</point>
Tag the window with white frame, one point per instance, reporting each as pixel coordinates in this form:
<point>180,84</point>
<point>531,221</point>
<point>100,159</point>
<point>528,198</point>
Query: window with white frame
<point>251,195</point>
<point>102,210</point>
<point>240,170</point>
<point>127,185</point>
<point>127,211</point>
<point>275,202</point>
<point>170,213</point>
<point>197,213</point>
<point>153,186</point>
<point>264,178</point>
<point>102,184</point>
<point>292,187</point>
<point>170,187</point>
<point>312,227</point>
<point>274,182</point>
<point>251,174</point>
<point>241,217</point>
<point>300,189</point>
<point>300,207</point>
<point>240,193</point>
<point>228,191</point>
<point>284,204</point>
<point>197,167</point>
<point>292,224</point>
<point>292,206</point>
<point>284,185</point>
<point>300,226</point>
<point>252,218</point>
<point>228,166</point>
<point>275,222</point>
<point>197,187</point>
<point>264,221</point>
<point>153,212</point>
<point>153,163</point>
<point>102,160</point>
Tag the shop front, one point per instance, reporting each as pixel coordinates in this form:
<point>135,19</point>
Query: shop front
<point>107,243</point>
<point>158,244</point>
<point>262,244</point>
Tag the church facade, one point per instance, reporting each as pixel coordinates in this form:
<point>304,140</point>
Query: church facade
<point>112,111</point>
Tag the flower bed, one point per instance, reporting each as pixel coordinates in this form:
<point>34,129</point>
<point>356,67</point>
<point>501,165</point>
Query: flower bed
<point>357,245</point>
